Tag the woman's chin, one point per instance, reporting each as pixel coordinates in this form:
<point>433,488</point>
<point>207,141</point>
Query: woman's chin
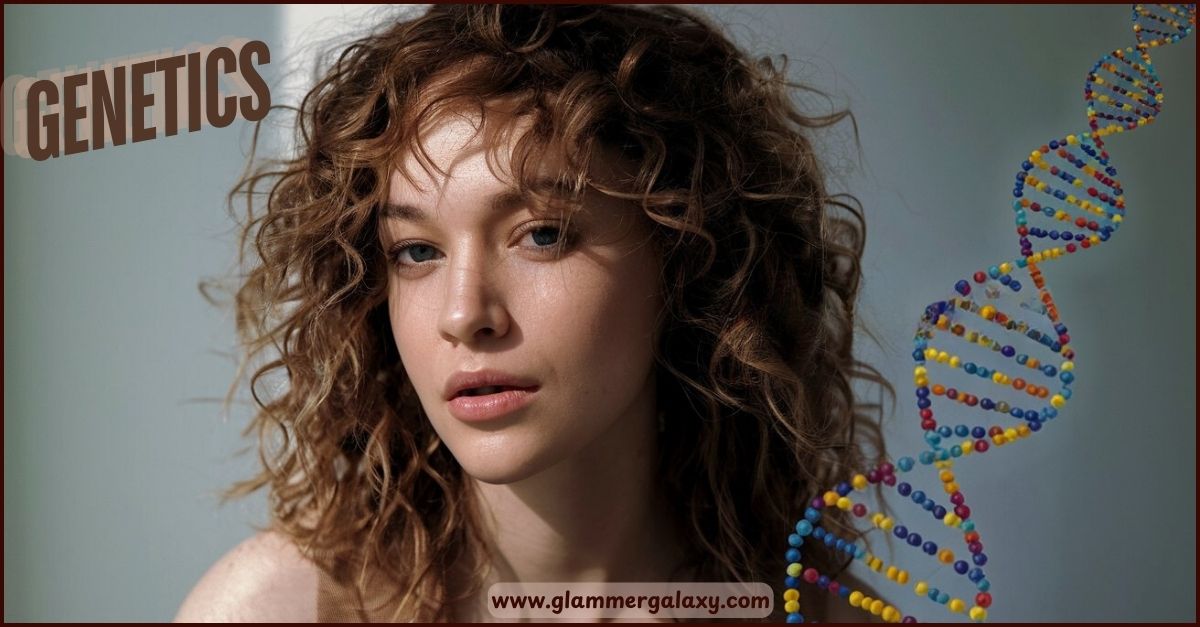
<point>503,465</point>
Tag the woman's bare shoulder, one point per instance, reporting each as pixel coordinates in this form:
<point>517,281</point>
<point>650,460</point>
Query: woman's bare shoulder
<point>263,579</point>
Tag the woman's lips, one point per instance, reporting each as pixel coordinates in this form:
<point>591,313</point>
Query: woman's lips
<point>491,406</point>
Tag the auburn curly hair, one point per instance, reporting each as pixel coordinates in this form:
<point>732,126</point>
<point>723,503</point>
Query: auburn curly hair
<point>761,273</point>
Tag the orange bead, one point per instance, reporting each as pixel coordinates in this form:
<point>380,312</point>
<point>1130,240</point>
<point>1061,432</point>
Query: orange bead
<point>1018,383</point>
<point>939,389</point>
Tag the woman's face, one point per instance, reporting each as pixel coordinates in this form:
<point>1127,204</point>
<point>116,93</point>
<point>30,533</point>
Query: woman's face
<point>475,285</point>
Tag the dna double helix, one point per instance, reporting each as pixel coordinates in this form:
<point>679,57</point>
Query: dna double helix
<point>1001,336</point>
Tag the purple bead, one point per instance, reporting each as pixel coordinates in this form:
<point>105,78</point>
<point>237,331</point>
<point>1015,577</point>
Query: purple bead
<point>975,547</point>
<point>904,489</point>
<point>886,468</point>
<point>818,503</point>
<point>962,287</point>
<point>908,619</point>
<point>956,498</point>
<point>889,480</point>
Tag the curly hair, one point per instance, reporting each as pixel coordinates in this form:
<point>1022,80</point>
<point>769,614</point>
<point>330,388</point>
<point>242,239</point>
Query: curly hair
<point>761,270</point>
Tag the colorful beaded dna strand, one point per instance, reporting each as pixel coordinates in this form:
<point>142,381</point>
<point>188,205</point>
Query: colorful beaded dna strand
<point>1067,192</point>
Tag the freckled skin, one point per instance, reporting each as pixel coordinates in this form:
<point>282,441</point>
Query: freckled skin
<point>477,292</point>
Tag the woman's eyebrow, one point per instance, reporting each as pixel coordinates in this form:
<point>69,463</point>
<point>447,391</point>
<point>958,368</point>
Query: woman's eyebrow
<point>506,201</point>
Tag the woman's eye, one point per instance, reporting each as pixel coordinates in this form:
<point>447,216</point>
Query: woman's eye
<point>545,236</point>
<point>414,254</point>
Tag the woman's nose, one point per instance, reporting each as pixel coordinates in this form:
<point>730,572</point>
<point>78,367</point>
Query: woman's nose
<point>473,309</point>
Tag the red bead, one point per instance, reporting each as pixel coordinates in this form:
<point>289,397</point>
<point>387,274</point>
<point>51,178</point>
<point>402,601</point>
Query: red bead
<point>859,510</point>
<point>1087,243</point>
<point>995,430</point>
<point>957,498</point>
<point>975,547</point>
<point>927,425</point>
<point>926,413</point>
<point>971,536</point>
<point>980,277</point>
<point>889,480</point>
<point>1022,230</point>
<point>1081,222</point>
<point>811,575</point>
<point>981,446</point>
<point>1070,248</point>
<point>834,587</point>
<point>983,599</point>
<point>1064,338</point>
<point>962,511</point>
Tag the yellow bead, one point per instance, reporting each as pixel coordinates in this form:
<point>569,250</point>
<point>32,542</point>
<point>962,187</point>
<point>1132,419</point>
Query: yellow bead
<point>1010,433</point>
<point>920,371</point>
<point>794,569</point>
<point>987,312</point>
<point>921,588</point>
<point>902,577</point>
<point>876,519</point>
<point>956,605</point>
<point>892,571</point>
<point>1058,401</point>
<point>943,357</point>
<point>951,519</point>
<point>889,613</point>
<point>831,498</point>
<point>955,362</point>
<point>997,377</point>
<point>865,603</point>
<point>951,487</point>
<point>877,607</point>
<point>876,564</point>
<point>931,353</point>
<point>946,476</point>
<point>856,598</point>
<point>791,606</point>
<point>1005,268</point>
<point>859,482</point>
<point>791,594</point>
<point>978,614</point>
<point>887,523</point>
<point>844,504</point>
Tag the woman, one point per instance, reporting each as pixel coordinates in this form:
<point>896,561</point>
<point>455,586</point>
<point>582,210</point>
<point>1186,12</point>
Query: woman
<point>560,296</point>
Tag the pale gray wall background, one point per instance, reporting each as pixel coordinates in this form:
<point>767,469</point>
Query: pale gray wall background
<point>111,466</point>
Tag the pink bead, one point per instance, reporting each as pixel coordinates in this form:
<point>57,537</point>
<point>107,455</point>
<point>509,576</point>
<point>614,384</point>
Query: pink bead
<point>956,498</point>
<point>962,511</point>
<point>889,480</point>
<point>811,575</point>
<point>860,510</point>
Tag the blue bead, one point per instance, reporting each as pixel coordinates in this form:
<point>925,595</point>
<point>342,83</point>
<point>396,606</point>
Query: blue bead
<point>928,505</point>
<point>793,555</point>
<point>823,582</point>
<point>969,367</point>
<point>905,464</point>
<point>840,544</point>
<point>943,598</point>
<point>926,457</point>
<point>979,558</point>
<point>844,591</point>
<point>1016,412</point>
<point>1015,285</point>
<point>795,617</point>
<point>983,585</point>
<point>933,438</point>
<point>956,451</point>
<point>790,582</point>
<point>818,533</point>
<point>923,403</point>
<point>830,539</point>
<point>967,525</point>
<point>929,547</point>
<point>918,497</point>
<point>900,531</point>
<point>961,567</point>
<point>933,594</point>
<point>945,431</point>
<point>986,404</point>
<point>859,552</point>
<point>962,287</point>
<point>1035,426</point>
<point>962,431</point>
<point>939,512</point>
<point>943,455</point>
<point>978,433</point>
<point>1067,377</point>
<point>1022,358</point>
<point>843,489</point>
<point>1031,414</point>
<point>1050,371</point>
<point>795,540</point>
<point>804,528</point>
<point>913,539</point>
<point>994,271</point>
<point>812,515</point>
<point>975,575</point>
